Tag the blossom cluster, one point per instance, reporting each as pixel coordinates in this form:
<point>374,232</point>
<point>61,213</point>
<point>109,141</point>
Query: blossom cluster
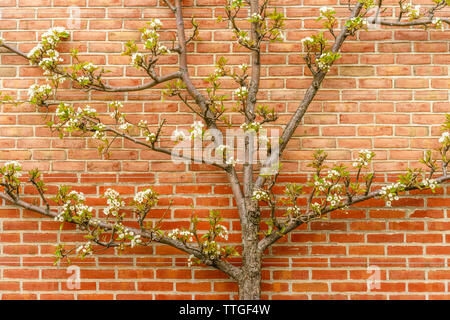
<point>37,94</point>
<point>438,24</point>
<point>123,124</point>
<point>178,136</point>
<point>11,172</point>
<point>114,203</point>
<point>261,195</point>
<point>307,41</point>
<point>316,207</point>
<point>231,161</point>
<point>137,59</point>
<point>390,192</point>
<point>146,197</point>
<point>219,72</point>
<point>335,200</point>
<point>212,249</point>
<point>244,39</point>
<point>326,10</point>
<point>329,186</point>
<point>150,136</point>
<point>74,208</point>
<point>224,151</point>
<point>255,18</point>
<point>429,183</point>
<point>90,67</point>
<point>151,37</point>
<point>99,133</point>
<point>445,138</point>
<point>333,174</point>
<point>253,126</point>
<point>76,117</point>
<point>115,106</point>
<point>356,23</point>
<point>243,67</point>
<point>365,156</point>
<point>191,260</point>
<point>181,235</point>
<point>327,15</point>
<point>13,168</point>
<point>241,92</point>
<point>322,184</point>
<point>221,231</point>
<point>325,61</point>
<point>197,130</point>
<point>234,4</point>
<point>293,211</point>
<point>221,149</point>
<point>71,119</point>
<point>84,250</point>
<point>413,13</point>
<point>123,233</point>
<point>44,54</point>
<point>83,81</point>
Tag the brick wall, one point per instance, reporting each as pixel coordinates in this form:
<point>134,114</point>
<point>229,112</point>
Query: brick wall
<point>389,93</point>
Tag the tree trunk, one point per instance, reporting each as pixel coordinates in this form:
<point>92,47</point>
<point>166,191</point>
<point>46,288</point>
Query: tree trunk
<point>250,280</point>
<point>250,284</point>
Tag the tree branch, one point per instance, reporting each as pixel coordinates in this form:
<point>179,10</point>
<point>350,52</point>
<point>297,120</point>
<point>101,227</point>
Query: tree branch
<point>106,88</point>
<point>307,99</point>
<point>154,148</point>
<point>308,216</point>
<point>222,265</point>
<point>203,103</point>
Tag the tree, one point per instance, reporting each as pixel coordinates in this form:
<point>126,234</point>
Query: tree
<point>254,23</point>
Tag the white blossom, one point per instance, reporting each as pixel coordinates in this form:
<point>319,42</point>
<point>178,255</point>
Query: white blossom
<point>221,148</point>
<point>114,203</point>
<point>324,10</point>
<point>307,40</point>
<point>178,135</point>
<point>146,195</point>
<point>293,211</point>
<point>150,137</point>
<point>13,169</point>
<point>37,91</point>
<point>155,23</point>
<point>241,92</point>
<point>85,249</point>
<point>261,195</point>
<point>190,260</point>
<point>253,126</point>
<point>136,59</point>
<point>243,66</point>
<point>414,12</point>
<point>445,137</point>
<point>83,80</point>
<point>231,161</point>
<point>183,235</point>
<point>390,192</point>
<point>322,61</point>
<point>90,67</point>
<point>197,131</point>
<point>430,183</point>
<point>365,156</point>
